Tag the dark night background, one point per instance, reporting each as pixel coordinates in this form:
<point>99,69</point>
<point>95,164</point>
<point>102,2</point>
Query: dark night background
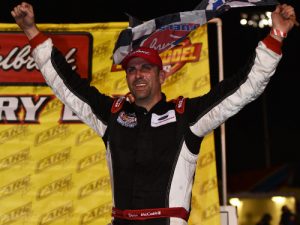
<point>271,122</point>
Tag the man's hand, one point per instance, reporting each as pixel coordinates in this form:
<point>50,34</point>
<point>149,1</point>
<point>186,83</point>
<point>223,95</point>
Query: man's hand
<point>283,19</point>
<point>24,17</point>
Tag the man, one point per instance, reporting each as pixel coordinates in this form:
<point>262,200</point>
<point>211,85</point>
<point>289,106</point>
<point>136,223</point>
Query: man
<point>287,217</point>
<point>152,145</point>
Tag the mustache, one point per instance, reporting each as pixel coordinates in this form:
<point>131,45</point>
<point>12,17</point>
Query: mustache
<point>139,81</point>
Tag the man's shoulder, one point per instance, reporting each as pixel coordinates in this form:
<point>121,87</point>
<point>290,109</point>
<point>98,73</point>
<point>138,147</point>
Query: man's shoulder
<point>179,104</point>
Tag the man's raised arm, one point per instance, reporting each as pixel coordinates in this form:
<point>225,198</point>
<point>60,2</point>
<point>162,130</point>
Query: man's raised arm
<point>24,17</point>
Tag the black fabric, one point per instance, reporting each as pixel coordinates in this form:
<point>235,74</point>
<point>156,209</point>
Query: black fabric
<point>146,155</point>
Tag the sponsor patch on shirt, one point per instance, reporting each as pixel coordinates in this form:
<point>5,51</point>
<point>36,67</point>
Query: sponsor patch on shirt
<point>127,120</point>
<point>159,120</point>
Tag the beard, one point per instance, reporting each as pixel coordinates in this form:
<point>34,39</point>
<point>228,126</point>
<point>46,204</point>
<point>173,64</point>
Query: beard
<point>141,94</point>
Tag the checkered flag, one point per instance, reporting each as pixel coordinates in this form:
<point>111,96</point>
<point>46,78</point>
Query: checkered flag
<point>167,31</point>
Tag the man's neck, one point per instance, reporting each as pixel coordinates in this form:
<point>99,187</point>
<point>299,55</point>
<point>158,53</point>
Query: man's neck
<point>148,104</point>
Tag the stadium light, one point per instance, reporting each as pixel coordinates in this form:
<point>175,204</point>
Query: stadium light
<point>256,19</point>
<point>236,202</point>
<point>278,199</point>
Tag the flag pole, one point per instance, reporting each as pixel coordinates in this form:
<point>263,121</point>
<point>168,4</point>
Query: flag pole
<point>218,22</point>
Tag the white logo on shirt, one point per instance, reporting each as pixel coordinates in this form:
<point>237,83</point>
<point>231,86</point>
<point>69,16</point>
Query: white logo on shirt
<point>159,120</point>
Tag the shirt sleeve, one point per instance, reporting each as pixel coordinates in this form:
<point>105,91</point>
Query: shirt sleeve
<point>228,97</point>
<point>91,106</point>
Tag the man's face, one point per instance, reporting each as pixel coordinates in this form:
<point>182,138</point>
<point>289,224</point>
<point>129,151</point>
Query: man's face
<point>144,80</point>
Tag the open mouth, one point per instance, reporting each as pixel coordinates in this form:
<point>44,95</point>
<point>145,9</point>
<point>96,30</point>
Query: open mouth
<point>140,85</point>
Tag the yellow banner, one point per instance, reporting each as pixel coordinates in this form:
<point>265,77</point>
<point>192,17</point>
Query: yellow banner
<point>53,171</point>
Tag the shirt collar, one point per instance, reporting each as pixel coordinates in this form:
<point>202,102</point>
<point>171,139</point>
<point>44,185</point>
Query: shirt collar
<point>157,106</point>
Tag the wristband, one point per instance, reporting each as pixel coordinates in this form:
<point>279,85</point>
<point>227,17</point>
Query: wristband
<point>278,33</point>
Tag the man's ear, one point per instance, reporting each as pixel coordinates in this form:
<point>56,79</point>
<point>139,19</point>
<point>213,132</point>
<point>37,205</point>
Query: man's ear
<point>162,76</point>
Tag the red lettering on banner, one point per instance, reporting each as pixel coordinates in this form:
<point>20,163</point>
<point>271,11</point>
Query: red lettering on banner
<point>168,35</point>
<point>17,67</point>
<point>175,58</point>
